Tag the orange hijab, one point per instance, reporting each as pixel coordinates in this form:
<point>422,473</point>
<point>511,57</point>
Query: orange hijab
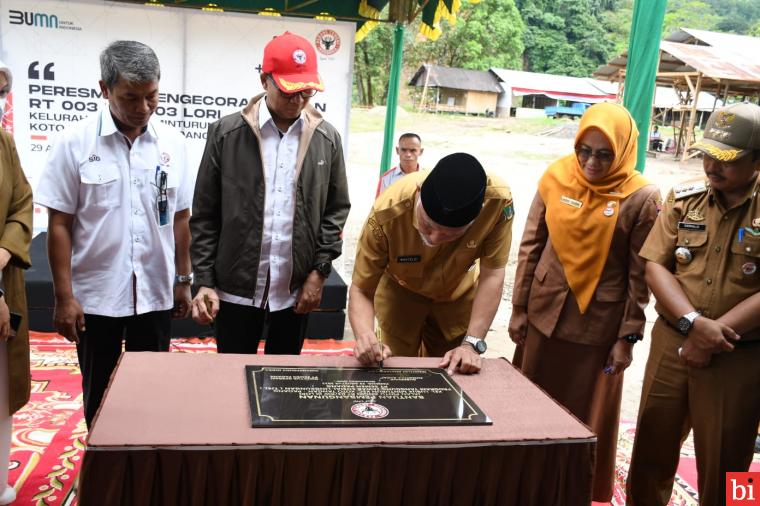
<point>576,209</point>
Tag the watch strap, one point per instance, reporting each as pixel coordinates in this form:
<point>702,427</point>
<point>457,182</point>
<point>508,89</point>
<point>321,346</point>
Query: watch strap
<point>184,279</point>
<point>323,268</point>
<point>478,344</point>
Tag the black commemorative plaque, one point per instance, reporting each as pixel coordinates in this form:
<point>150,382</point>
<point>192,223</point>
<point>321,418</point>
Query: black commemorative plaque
<point>354,396</point>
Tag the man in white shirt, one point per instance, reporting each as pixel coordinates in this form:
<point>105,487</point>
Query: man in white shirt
<point>118,194</point>
<point>409,150</point>
<point>270,203</point>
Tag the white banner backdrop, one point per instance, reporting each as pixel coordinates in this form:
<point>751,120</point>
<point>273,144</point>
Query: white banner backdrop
<point>210,64</point>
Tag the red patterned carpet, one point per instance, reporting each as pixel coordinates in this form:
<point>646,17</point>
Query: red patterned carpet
<point>49,433</point>
<point>685,487</point>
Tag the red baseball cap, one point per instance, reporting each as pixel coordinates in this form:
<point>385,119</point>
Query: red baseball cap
<point>292,61</point>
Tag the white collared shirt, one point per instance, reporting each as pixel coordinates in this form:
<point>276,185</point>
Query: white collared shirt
<point>390,177</point>
<point>280,156</point>
<point>111,190</point>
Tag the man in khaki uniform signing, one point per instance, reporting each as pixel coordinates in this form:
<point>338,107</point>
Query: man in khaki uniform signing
<point>703,267</point>
<point>430,265</point>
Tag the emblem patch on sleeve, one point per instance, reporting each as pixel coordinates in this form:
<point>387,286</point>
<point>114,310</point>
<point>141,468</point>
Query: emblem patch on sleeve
<point>376,230</point>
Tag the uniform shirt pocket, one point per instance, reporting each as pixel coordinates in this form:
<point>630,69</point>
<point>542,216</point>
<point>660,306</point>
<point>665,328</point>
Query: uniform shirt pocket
<point>406,267</point>
<point>744,264</point>
<point>100,186</point>
<point>696,243</point>
<point>172,192</point>
<point>465,261</point>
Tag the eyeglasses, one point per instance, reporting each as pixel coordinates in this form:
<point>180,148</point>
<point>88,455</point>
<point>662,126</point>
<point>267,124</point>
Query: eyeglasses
<point>584,154</point>
<point>305,94</point>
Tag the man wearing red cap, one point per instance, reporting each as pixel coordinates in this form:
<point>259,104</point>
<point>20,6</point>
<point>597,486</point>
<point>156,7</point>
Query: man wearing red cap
<point>270,203</point>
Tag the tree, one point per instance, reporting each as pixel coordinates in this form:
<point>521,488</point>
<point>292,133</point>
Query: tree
<point>566,36</point>
<point>695,14</point>
<point>737,16</point>
<point>488,34</point>
<point>618,25</point>
<point>371,66</point>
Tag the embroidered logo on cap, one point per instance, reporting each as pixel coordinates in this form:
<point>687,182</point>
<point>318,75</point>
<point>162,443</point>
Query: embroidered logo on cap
<point>725,119</point>
<point>299,56</point>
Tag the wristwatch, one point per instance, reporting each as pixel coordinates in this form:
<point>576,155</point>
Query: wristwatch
<point>685,322</point>
<point>632,338</point>
<point>323,268</point>
<point>184,279</point>
<point>477,343</point>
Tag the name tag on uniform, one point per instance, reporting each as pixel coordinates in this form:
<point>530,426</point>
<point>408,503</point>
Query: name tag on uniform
<point>409,259</point>
<point>700,227</point>
<point>571,202</point>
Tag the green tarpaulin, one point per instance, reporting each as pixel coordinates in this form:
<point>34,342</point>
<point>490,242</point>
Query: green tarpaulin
<point>640,73</point>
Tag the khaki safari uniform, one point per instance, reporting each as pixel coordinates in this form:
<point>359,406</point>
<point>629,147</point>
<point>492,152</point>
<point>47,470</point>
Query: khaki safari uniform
<point>722,401</point>
<point>424,294</point>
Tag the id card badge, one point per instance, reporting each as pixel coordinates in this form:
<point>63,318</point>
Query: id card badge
<point>162,200</point>
<point>163,210</point>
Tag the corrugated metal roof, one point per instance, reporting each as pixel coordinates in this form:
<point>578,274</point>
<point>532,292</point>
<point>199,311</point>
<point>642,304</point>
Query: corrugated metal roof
<point>579,89</point>
<point>719,56</point>
<point>716,62</point>
<point>456,78</point>
<point>741,45</point>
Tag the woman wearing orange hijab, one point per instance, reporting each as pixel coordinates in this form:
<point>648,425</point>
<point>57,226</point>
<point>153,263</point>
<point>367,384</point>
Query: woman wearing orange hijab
<point>579,294</point>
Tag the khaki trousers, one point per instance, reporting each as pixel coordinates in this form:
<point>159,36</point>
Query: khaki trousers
<point>721,403</point>
<point>413,325</point>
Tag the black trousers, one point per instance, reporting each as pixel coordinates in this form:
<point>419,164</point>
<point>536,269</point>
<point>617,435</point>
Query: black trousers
<point>239,329</point>
<point>100,345</point>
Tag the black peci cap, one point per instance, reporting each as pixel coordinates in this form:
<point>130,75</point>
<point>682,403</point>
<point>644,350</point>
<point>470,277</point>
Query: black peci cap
<point>452,194</point>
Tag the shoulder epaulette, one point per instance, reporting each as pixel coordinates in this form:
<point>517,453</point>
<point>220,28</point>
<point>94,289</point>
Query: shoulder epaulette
<point>392,211</point>
<point>497,188</point>
<point>498,192</point>
<point>688,189</point>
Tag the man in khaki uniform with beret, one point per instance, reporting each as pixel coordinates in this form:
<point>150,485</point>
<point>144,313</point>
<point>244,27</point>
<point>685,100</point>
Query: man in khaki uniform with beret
<point>703,267</point>
<point>430,265</point>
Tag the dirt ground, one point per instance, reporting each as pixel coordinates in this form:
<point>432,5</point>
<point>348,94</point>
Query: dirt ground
<point>517,150</point>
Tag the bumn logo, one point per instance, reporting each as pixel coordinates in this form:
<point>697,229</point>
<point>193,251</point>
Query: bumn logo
<point>39,19</point>
<point>742,490</point>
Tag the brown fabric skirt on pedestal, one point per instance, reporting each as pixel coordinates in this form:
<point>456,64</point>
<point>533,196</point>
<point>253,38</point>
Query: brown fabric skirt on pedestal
<point>573,374</point>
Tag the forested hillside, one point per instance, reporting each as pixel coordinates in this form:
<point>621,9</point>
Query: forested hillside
<point>567,37</point>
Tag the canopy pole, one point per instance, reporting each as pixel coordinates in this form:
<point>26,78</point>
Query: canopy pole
<point>392,101</point>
